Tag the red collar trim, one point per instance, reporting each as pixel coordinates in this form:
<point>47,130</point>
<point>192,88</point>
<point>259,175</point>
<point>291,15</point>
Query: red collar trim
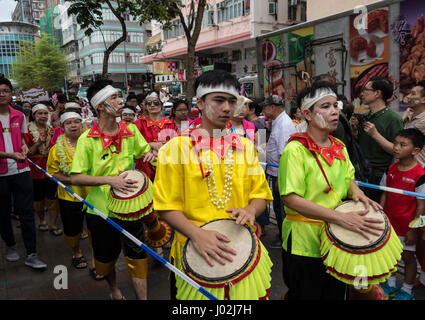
<point>219,146</point>
<point>161,123</point>
<point>107,140</point>
<point>327,153</point>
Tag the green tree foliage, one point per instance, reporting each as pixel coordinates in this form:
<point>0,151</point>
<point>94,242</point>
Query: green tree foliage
<point>40,65</point>
<point>89,16</point>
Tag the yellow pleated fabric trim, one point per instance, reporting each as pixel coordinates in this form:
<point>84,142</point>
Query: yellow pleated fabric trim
<point>378,265</point>
<point>252,287</point>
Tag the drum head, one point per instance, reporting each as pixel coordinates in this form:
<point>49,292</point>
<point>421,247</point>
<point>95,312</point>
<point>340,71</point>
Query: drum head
<point>242,240</point>
<point>354,240</point>
<point>137,175</point>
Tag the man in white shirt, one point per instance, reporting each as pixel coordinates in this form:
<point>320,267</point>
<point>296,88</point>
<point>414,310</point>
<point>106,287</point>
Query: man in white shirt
<point>282,128</point>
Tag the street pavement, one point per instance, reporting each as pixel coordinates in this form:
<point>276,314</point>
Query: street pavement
<point>61,281</point>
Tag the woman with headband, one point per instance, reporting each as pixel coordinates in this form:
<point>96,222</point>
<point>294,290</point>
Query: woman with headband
<point>38,141</point>
<point>102,153</point>
<point>59,165</point>
<point>212,178</point>
<point>300,177</point>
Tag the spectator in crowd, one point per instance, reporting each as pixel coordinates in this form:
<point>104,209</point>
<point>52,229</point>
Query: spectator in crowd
<point>376,133</point>
<point>27,106</point>
<point>132,100</point>
<point>296,115</point>
<point>15,180</point>
<point>239,125</point>
<point>405,174</point>
<point>38,141</point>
<point>61,100</point>
<point>282,128</point>
<point>180,114</point>
<point>128,113</point>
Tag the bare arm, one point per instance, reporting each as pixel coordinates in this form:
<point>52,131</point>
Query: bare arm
<point>119,182</point>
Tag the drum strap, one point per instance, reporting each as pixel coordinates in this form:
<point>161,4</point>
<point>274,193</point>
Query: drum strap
<point>303,141</point>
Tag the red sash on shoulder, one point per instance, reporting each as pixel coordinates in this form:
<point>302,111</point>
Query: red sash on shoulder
<point>327,153</point>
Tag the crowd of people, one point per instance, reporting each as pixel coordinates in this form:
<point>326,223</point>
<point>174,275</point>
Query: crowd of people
<point>88,147</point>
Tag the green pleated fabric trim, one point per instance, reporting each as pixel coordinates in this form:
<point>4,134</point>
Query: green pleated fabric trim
<point>133,205</point>
<point>378,265</point>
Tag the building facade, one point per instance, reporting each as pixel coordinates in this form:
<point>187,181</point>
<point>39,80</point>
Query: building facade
<point>11,34</point>
<point>227,38</point>
<point>29,11</point>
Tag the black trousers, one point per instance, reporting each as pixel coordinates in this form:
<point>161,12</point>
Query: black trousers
<point>307,279</point>
<point>20,187</point>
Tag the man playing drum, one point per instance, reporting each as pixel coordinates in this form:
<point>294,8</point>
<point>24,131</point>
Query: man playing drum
<point>206,174</point>
<point>101,154</point>
<point>315,174</point>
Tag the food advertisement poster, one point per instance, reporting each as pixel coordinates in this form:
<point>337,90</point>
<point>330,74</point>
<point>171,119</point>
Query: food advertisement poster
<point>274,51</point>
<point>409,33</point>
<point>301,59</point>
<point>369,51</point>
<point>283,57</point>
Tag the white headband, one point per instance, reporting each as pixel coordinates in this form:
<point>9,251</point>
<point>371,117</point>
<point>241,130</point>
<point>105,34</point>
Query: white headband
<point>128,110</point>
<point>102,95</point>
<point>72,105</point>
<point>203,90</point>
<point>39,106</point>
<point>69,115</point>
<point>153,94</point>
<point>240,103</point>
<point>308,101</point>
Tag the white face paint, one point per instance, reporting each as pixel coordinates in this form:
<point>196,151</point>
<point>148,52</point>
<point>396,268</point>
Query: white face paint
<point>209,112</point>
<point>109,108</point>
<point>321,122</point>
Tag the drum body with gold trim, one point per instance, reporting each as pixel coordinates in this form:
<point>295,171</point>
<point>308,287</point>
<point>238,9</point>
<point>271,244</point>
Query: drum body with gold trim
<point>245,263</point>
<point>353,259</point>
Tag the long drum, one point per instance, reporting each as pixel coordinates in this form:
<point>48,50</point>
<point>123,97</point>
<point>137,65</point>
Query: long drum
<point>242,240</point>
<point>353,259</point>
<point>138,204</point>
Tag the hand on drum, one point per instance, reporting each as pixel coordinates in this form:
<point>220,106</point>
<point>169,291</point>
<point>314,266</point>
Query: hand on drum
<point>243,215</point>
<point>356,222</point>
<point>211,246</point>
<point>120,183</point>
<point>149,157</point>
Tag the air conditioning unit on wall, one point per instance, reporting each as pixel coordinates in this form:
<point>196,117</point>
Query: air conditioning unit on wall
<point>272,8</point>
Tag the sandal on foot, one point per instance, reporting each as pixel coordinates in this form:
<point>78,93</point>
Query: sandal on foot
<point>56,232</point>
<point>94,275</point>
<point>43,227</point>
<point>79,263</point>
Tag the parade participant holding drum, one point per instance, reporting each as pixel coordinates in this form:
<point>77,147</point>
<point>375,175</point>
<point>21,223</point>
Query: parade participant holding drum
<point>315,174</point>
<point>103,152</point>
<point>215,175</point>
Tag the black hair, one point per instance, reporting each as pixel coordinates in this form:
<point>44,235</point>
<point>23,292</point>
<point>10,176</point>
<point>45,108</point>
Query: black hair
<point>311,91</point>
<point>132,96</point>
<point>255,104</point>
<point>96,87</point>
<point>61,97</point>
<point>293,111</point>
<point>6,81</point>
<point>140,97</point>
<point>176,104</point>
<point>421,84</point>
<point>214,78</point>
<point>384,85</point>
<point>414,135</point>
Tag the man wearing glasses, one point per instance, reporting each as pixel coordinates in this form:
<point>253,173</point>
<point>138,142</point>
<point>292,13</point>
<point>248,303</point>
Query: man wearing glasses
<point>376,133</point>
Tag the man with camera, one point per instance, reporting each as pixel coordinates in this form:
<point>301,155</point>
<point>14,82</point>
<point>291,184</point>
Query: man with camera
<point>376,130</point>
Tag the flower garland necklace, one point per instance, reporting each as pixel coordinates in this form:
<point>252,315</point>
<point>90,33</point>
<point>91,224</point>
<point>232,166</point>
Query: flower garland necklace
<point>216,200</point>
<point>64,147</point>
<point>43,149</point>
